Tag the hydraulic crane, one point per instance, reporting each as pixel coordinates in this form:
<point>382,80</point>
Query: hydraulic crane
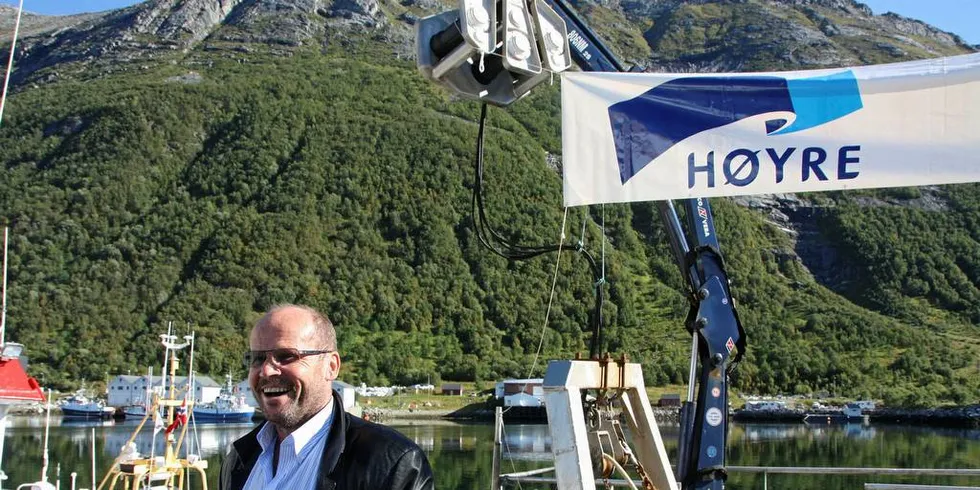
<point>496,51</point>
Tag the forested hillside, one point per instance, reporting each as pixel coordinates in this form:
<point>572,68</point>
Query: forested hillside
<point>204,183</point>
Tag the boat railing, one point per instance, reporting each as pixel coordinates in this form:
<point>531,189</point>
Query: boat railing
<point>536,476</point>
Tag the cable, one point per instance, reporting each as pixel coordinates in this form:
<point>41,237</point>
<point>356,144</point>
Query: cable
<point>501,246</point>
<point>622,471</point>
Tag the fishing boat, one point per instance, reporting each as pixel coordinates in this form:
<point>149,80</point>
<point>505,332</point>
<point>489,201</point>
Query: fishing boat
<point>142,406</point>
<point>230,406</point>
<point>852,412</point>
<point>135,411</point>
<point>169,470</point>
<point>16,387</point>
<point>79,405</point>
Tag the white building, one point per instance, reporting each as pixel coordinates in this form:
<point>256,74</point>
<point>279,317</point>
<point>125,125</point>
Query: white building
<point>246,390</point>
<point>520,392</point>
<point>126,390</point>
<point>346,393</point>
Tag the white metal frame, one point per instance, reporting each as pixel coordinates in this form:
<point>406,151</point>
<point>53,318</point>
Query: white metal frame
<point>564,382</point>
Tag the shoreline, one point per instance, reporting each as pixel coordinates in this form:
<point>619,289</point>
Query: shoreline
<point>964,417</point>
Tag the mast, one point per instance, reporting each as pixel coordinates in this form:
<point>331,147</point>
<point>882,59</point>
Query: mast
<point>47,428</point>
<point>10,61</point>
<point>3,329</point>
<point>169,341</point>
<point>3,311</point>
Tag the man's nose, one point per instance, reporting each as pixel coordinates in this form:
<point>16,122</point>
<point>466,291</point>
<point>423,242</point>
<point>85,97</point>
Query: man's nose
<point>268,368</point>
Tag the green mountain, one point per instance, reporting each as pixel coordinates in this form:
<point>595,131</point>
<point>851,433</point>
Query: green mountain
<point>195,162</point>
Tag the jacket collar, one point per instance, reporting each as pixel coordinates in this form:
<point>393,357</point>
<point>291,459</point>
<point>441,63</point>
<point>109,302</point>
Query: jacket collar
<point>334,448</point>
<point>248,450</point>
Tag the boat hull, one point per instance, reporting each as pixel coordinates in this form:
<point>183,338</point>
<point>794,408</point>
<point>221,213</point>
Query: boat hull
<point>202,416</point>
<point>87,414</point>
<point>834,418</point>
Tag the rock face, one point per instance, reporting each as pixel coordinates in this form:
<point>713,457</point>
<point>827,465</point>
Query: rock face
<point>156,29</point>
<point>737,35</point>
<point>185,22</point>
<point>958,417</point>
<point>660,35</point>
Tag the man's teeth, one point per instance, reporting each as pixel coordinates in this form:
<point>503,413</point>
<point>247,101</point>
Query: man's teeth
<point>274,391</point>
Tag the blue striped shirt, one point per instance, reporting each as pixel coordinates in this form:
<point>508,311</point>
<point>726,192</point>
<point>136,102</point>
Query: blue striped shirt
<point>299,455</point>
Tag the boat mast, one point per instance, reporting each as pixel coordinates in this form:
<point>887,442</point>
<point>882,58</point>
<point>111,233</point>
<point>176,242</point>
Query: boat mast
<point>10,61</point>
<point>170,343</point>
<point>47,428</point>
<point>3,328</point>
<point>3,311</point>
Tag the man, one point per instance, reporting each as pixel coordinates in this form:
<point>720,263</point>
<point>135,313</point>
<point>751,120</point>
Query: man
<point>308,441</point>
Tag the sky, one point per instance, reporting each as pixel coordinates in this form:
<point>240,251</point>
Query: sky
<point>957,16</point>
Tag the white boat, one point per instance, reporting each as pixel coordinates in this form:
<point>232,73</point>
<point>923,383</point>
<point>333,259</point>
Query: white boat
<point>143,403</point>
<point>81,406</point>
<point>134,411</point>
<point>16,387</point>
<point>851,413</point>
<point>230,406</point>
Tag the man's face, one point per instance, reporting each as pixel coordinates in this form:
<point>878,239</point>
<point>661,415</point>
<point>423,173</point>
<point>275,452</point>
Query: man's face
<point>290,394</point>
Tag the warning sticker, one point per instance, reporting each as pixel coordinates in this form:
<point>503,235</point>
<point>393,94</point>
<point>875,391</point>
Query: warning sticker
<point>713,417</point>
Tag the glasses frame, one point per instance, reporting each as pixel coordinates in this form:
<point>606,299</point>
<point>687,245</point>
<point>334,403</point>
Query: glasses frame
<point>250,358</point>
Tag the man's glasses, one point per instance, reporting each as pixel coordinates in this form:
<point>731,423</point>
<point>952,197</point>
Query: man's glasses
<point>278,357</point>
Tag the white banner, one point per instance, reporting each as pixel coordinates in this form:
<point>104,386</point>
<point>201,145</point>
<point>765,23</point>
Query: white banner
<point>643,136</point>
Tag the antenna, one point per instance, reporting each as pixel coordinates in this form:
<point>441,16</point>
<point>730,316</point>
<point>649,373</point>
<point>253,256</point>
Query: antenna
<point>3,312</point>
<point>93,458</point>
<point>47,427</point>
<point>10,62</point>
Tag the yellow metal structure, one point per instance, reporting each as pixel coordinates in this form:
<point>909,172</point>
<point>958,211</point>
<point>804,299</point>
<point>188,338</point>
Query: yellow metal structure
<point>132,471</point>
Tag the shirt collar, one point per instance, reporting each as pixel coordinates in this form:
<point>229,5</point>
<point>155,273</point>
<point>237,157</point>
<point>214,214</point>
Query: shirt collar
<point>300,437</point>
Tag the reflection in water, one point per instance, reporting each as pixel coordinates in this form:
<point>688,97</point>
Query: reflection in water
<point>752,433</point>
<point>527,442</point>
<point>460,454</point>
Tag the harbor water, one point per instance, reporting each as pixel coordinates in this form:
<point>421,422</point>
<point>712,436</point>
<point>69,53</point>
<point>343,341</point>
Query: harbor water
<point>461,453</point>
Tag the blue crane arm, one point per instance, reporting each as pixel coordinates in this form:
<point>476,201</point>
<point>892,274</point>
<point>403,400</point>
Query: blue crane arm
<point>719,339</point>
<point>588,51</point>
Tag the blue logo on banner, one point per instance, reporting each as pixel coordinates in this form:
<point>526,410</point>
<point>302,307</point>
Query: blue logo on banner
<point>650,124</point>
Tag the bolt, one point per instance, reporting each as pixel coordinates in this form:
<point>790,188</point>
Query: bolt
<point>517,20</point>
<point>520,46</point>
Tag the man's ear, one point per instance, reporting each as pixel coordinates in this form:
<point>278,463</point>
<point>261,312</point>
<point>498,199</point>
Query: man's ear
<point>332,365</point>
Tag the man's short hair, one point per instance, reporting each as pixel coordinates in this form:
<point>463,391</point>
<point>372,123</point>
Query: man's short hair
<point>323,327</point>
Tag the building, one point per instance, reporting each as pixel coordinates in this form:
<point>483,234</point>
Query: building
<point>126,390</point>
<point>669,400</point>
<point>246,390</point>
<point>520,392</point>
<point>347,394</point>
<point>454,389</point>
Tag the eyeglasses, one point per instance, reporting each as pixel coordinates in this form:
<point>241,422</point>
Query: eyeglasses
<point>278,357</point>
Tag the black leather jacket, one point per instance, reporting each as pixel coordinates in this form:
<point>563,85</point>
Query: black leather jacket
<point>358,455</point>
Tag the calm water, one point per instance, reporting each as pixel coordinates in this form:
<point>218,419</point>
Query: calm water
<point>460,453</point>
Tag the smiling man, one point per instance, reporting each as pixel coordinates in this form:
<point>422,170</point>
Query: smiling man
<point>308,441</point>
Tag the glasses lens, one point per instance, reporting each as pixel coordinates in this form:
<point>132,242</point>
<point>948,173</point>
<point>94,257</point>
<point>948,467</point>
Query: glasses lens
<point>285,356</point>
<point>280,357</point>
<point>253,358</point>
